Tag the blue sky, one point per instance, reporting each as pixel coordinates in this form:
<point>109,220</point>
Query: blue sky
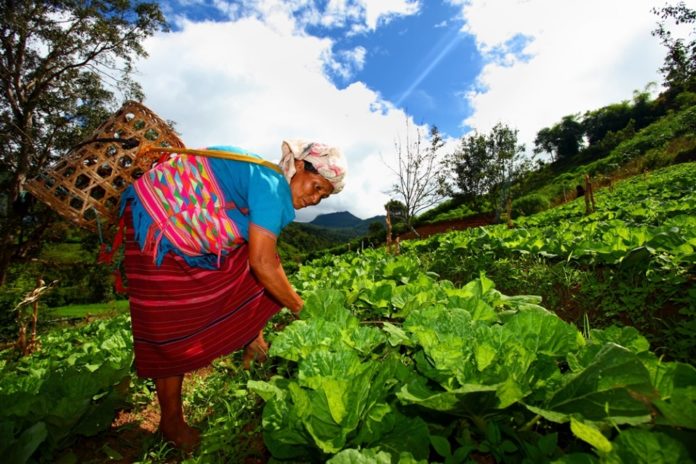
<point>420,62</point>
<point>353,73</point>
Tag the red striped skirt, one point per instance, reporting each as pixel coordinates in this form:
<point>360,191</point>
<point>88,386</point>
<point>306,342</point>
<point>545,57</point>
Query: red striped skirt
<point>183,317</point>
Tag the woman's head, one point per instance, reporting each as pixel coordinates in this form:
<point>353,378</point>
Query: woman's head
<point>307,186</point>
<point>315,162</point>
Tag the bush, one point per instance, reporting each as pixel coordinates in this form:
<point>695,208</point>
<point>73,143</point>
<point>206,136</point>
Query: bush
<point>530,204</point>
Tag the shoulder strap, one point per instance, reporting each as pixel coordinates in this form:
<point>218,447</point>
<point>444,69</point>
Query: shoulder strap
<point>216,154</point>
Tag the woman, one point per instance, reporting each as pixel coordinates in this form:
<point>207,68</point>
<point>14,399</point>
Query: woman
<point>203,272</point>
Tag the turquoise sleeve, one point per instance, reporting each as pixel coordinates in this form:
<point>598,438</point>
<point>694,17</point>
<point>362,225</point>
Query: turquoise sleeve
<point>269,199</point>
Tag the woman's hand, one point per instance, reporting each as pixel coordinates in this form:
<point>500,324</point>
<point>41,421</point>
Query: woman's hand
<point>264,262</point>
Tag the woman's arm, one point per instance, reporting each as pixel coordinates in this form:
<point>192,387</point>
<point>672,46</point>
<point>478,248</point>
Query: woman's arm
<point>267,268</point>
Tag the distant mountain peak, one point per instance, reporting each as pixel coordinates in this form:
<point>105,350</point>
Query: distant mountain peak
<point>341,219</point>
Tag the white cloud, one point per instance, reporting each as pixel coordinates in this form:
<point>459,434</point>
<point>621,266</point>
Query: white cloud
<point>581,55</point>
<point>384,10</point>
<point>345,63</point>
<point>252,84</point>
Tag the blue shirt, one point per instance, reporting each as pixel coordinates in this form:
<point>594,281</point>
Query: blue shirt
<point>261,191</point>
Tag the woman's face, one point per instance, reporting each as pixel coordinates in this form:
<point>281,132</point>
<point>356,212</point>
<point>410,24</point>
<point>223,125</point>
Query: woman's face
<point>308,188</point>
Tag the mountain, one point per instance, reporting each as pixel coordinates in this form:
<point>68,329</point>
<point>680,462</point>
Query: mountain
<point>340,220</point>
<point>345,220</point>
<point>325,231</point>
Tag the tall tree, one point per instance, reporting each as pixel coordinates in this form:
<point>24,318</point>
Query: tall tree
<point>485,165</point>
<point>62,64</point>
<point>562,140</point>
<point>679,68</point>
<point>419,173</point>
<point>471,165</point>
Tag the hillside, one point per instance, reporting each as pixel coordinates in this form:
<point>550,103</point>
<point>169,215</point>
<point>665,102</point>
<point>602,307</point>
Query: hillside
<point>324,232</point>
<point>667,138</point>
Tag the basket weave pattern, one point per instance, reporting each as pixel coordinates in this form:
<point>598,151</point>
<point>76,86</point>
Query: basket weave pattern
<point>86,185</point>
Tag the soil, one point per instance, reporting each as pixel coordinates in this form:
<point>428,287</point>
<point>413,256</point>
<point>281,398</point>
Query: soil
<point>427,230</point>
<point>130,435</point>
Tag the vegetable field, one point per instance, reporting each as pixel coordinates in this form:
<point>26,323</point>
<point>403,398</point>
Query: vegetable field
<point>567,339</point>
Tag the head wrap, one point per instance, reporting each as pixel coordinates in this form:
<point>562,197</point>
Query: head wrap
<point>328,161</point>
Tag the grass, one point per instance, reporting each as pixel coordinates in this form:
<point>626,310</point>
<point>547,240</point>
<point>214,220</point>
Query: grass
<point>66,253</point>
<point>84,310</point>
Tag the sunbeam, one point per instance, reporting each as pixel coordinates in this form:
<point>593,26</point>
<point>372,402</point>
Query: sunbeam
<point>443,47</point>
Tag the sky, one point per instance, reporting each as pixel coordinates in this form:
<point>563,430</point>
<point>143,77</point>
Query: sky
<point>356,73</point>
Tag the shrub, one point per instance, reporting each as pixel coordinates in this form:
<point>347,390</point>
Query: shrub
<point>530,204</point>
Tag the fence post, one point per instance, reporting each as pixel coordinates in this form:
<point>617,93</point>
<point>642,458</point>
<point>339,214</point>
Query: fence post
<point>589,196</point>
<point>389,231</point>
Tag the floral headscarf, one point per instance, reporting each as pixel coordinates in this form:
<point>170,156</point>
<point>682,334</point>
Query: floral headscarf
<point>328,161</point>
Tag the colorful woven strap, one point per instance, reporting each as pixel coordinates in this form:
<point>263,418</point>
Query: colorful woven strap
<point>215,154</point>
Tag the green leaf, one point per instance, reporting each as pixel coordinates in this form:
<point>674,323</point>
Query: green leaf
<point>590,434</point>
<point>461,401</point>
<point>542,332</point>
<point>615,386</point>
<point>396,335</point>
<point>485,354</point>
<point>638,445</point>
<point>409,437</point>
<point>335,391</point>
<point>628,337</point>
<point>328,304</point>
<point>363,339</point>
<point>26,444</point>
<point>679,411</point>
<point>366,456</point>
<point>301,338</point>
<point>441,445</point>
<point>265,390</point>
<point>111,453</point>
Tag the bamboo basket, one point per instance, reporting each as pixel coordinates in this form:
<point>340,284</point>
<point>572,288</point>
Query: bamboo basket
<point>85,186</point>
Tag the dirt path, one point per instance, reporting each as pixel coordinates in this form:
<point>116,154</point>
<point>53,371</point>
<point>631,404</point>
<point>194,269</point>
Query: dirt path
<point>446,226</point>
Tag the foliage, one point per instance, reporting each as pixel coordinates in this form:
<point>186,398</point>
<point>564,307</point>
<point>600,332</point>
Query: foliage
<point>486,164</point>
<point>631,260</point>
<point>71,387</point>
<point>562,140</point>
<point>487,373</point>
<point>654,146</point>
<point>529,204</point>
<point>61,63</point>
<point>679,68</point>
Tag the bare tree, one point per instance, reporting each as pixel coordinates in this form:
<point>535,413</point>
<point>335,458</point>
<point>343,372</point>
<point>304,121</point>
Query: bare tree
<point>420,178</point>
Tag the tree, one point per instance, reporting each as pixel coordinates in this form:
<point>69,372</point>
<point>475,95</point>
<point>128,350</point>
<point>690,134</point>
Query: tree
<point>62,63</point>
<point>562,140</point>
<point>471,165</point>
<point>486,164</point>
<point>612,118</point>
<point>679,68</point>
<point>420,178</point>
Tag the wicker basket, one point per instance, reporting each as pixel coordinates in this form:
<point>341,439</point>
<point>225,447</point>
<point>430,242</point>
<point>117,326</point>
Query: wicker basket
<point>86,185</point>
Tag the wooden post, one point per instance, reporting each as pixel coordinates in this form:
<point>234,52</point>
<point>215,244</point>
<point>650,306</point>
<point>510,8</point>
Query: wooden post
<point>397,246</point>
<point>389,232</point>
<point>21,344</point>
<point>589,196</point>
